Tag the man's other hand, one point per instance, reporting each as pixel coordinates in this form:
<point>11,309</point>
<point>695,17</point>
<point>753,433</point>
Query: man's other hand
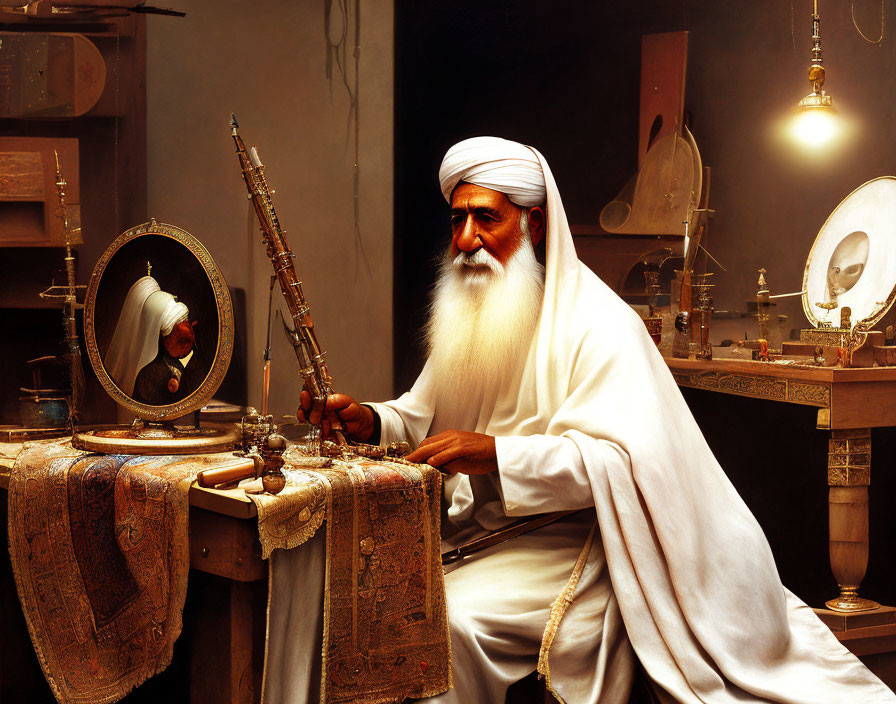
<point>355,418</point>
<point>458,451</point>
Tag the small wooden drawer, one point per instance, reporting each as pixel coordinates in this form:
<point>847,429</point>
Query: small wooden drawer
<point>226,546</point>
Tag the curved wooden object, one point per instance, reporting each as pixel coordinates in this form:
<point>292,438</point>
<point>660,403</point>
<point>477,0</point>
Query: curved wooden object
<point>51,74</point>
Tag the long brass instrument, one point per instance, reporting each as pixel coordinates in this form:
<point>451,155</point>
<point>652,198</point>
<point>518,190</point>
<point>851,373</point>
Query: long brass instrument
<point>68,295</point>
<point>315,377</point>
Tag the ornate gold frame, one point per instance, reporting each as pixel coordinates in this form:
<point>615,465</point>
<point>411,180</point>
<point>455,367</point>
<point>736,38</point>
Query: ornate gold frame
<point>223,353</point>
<point>807,306</point>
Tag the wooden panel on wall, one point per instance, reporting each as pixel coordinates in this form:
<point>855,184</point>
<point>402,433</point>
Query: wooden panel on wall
<point>29,201</point>
<point>49,74</point>
<point>664,60</point>
<point>106,175</point>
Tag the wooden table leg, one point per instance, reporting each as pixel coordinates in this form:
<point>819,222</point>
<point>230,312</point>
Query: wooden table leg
<point>227,655</point>
<point>849,474</point>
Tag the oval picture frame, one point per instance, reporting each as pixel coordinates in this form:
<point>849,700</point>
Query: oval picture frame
<point>863,210</point>
<point>223,352</point>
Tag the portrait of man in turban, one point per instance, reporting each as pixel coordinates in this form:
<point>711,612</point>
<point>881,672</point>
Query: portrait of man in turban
<point>152,346</point>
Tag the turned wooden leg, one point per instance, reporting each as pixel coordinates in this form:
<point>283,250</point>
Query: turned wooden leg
<point>849,474</point>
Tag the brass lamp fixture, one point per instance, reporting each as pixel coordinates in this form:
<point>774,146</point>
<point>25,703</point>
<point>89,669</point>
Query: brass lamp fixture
<point>815,120</point>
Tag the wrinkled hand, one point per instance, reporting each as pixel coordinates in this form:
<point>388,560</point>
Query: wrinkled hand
<point>458,451</point>
<point>355,418</point>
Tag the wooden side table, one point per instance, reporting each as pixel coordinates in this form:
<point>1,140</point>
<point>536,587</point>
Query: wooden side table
<point>850,402</point>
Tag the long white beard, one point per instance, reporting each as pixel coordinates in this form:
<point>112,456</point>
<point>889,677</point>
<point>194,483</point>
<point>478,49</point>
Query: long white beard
<point>481,323</point>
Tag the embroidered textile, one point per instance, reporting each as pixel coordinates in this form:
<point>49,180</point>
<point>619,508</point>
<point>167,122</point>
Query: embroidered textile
<point>385,624</point>
<point>100,557</point>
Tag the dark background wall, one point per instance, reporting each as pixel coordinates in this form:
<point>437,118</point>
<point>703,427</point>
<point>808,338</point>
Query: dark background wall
<point>564,77</point>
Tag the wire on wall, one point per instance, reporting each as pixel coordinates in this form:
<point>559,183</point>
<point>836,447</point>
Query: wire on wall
<point>852,10</point>
<point>337,55</point>
<point>855,24</point>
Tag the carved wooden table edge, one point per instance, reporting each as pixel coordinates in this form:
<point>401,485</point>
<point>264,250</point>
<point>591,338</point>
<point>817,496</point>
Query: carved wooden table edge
<point>855,398</point>
<point>755,382</point>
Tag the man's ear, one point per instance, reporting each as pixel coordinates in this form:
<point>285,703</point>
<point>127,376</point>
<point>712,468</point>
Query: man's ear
<point>537,224</point>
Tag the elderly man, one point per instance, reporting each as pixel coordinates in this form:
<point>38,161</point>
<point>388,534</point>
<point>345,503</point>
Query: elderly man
<point>543,392</point>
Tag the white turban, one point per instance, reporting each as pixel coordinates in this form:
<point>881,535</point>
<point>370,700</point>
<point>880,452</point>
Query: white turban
<point>499,164</point>
<point>147,312</point>
<point>170,310</point>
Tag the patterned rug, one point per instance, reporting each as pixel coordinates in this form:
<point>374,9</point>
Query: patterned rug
<point>385,624</point>
<point>100,555</point>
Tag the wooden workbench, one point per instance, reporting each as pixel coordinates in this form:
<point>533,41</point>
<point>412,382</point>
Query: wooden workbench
<point>850,402</point>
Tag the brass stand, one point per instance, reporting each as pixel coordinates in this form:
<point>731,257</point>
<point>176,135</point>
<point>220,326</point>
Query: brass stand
<point>159,439</point>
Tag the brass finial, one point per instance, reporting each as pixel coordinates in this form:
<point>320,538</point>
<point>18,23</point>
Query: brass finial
<point>845,315</point>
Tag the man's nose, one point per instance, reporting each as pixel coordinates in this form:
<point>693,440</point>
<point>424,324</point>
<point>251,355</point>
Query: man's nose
<point>468,240</point>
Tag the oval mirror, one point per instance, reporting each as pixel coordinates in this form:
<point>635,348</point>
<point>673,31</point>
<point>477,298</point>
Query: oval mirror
<point>853,260</point>
<point>158,322</point>
<point>847,263</point>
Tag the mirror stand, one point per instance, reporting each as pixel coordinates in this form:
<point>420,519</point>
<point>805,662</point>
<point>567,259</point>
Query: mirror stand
<point>164,430</point>
<point>158,438</point>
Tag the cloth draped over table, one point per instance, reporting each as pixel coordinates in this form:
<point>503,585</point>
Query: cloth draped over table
<point>385,630</point>
<point>594,410</point>
<point>100,556</point>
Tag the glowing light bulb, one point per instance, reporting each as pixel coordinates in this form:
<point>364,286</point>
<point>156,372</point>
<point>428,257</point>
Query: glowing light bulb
<point>814,127</point>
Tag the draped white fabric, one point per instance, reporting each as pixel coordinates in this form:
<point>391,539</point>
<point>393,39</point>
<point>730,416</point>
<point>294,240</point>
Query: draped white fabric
<point>595,417</point>
<point>147,312</point>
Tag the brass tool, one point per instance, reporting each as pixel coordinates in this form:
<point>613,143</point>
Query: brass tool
<point>227,474</point>
<point>514,530</point>
<point>264,446</point>
<point>68,294</point>
<point>316,378</point>
<point>266,373</point>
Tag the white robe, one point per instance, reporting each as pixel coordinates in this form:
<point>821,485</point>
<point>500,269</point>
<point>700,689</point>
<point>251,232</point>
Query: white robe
<point>595,418</point>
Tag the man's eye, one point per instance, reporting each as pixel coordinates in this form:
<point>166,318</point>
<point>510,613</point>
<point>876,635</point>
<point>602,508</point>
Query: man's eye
<point>487,217</point>
<point>457,219</point>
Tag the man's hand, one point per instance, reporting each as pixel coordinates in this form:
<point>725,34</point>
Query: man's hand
<point>355,418</point>
<point>458,451</point>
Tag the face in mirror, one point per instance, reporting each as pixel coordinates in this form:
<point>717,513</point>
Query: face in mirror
<point>156,320</point>
<point>847,263</point>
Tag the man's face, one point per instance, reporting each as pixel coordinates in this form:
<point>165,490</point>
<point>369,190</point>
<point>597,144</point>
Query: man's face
<point>180,341</point>
<point>484,219</point>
